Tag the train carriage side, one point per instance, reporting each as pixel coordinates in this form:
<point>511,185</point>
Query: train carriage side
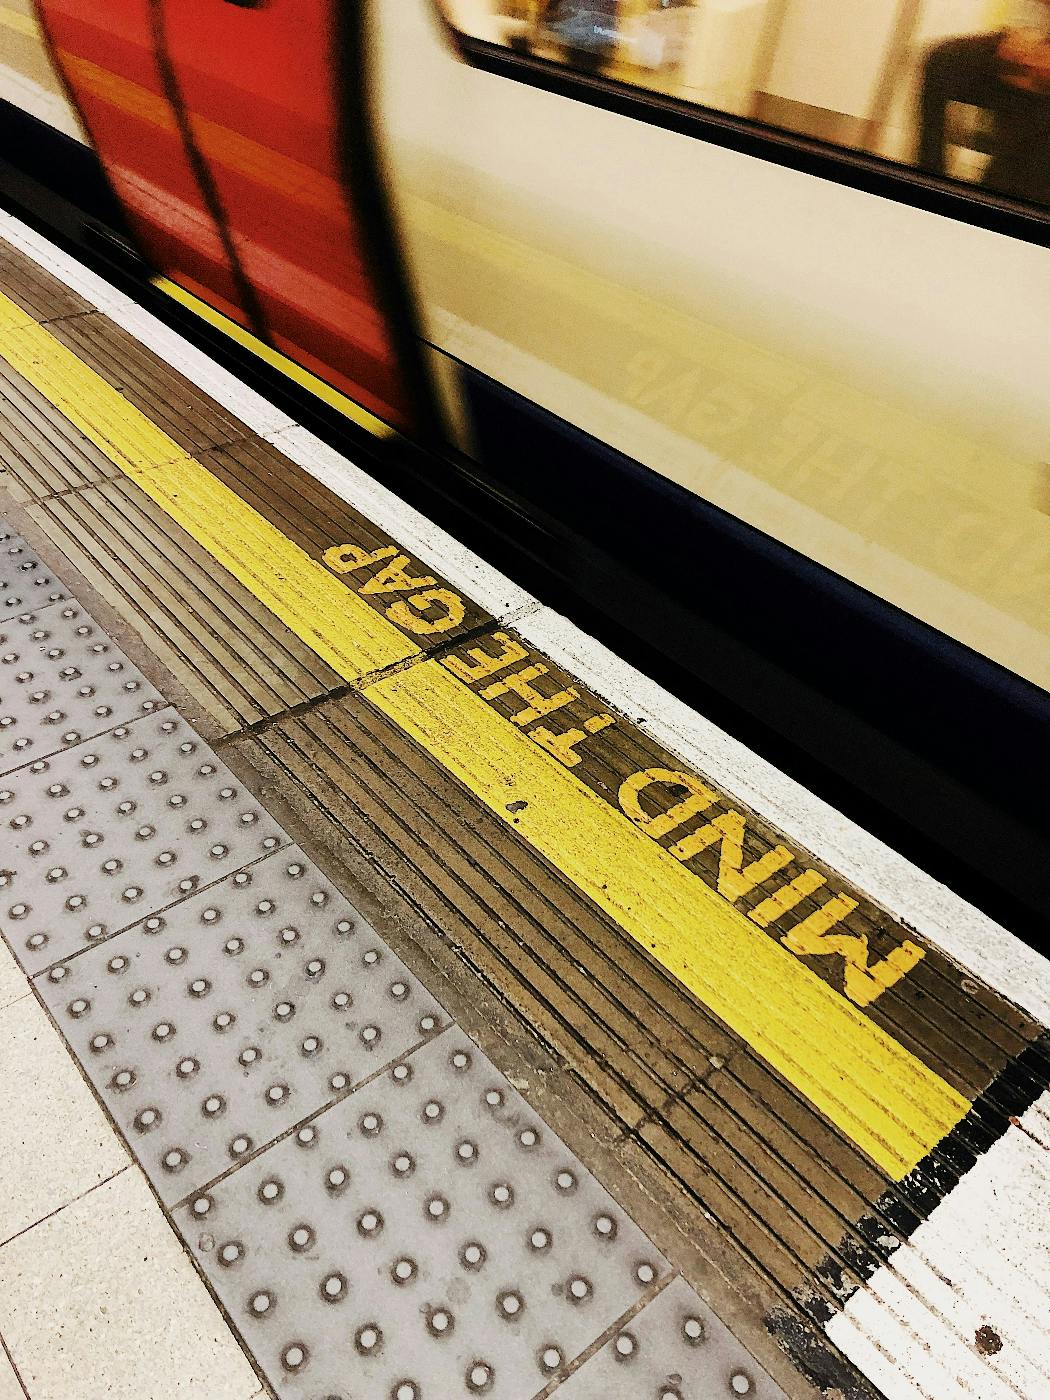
<point>769,408</point>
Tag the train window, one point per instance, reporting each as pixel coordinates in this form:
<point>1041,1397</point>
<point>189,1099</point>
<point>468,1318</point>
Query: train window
<point>955,88</point>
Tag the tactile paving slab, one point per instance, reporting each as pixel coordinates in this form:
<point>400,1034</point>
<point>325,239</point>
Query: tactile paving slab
<point>675,1348</point>
<point>115,828</point>
<point>426,1238</point>
<point>61,681</point>
<point>26,583</point>
<point>213,1028</point>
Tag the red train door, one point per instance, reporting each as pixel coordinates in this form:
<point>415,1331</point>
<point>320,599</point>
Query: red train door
<point>235,133</point>
<point>263,83</point>
<point>107,56</point>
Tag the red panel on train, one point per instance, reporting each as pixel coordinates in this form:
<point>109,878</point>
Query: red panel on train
<point>108,59</point>
<point>260,88</point>
<point>219,126</point>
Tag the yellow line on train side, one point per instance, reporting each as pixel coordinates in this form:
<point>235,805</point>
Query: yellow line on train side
<point>354,411</point>
<point>876,1091</point>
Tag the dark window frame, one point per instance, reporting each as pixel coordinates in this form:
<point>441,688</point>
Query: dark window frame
<point>860,170</point>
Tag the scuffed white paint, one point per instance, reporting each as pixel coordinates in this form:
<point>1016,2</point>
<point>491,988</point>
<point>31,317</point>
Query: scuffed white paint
<point>982,1259</point>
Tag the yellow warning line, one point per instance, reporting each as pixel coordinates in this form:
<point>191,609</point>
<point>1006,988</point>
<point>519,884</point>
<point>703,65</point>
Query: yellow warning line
<point>338,625</point>
<point>885,1099</point>
<point>890,1104</point>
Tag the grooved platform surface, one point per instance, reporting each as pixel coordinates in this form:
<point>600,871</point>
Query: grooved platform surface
<point>235,658</point>
<point>788,1090</point>
<point>673,1349</point>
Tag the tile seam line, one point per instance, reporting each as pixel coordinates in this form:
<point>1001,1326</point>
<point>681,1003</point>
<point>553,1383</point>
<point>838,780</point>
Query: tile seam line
<point>628,1315</point>
<point>6,773</point>
<point>133,1161</point>
<point>185,488</point>
<point>26,612</point>
<point>313,1115</point>
<point>696,1081</point>
<point>655,855</point>
<point>6,1351</point>
<point>777,797</point>
<point>161,909</point>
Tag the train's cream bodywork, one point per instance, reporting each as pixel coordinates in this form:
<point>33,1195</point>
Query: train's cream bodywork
<point>27,76</point>
<point>862,380</point>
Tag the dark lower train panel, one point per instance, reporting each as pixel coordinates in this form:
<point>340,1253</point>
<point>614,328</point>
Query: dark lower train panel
<point>915,736</point>
<point>918,737</point>
<point>47,175</point>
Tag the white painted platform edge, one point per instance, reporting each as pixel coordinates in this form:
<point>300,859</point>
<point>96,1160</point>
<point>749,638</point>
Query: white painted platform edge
<point>982,1259</point>
<point>976,942</point>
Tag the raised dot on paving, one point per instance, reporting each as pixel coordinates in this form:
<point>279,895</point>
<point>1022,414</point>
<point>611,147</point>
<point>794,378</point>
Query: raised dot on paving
<point>26,583</point>
<point>675,1348</point>
<point>62,681</point>
<point>395,1266</point>
<point>208,1031</point>
<point>123,824</point>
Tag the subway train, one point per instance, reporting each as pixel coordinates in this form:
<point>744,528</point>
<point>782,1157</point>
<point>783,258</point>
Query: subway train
<point>722,321</point>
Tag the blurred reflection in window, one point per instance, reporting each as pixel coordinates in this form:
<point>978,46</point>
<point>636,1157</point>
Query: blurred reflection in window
<point>587,33</point>
<point>1004,78</point>
<point>958,87</point>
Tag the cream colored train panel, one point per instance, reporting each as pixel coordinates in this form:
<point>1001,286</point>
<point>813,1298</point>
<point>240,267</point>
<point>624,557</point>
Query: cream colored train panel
<point>27,77</point>
<point>862,380</point>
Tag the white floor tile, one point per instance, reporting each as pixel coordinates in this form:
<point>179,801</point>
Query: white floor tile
<point>9,1387</point>
<point>55,1142</point>
<point>12,986</point>
<point>100,1302</point>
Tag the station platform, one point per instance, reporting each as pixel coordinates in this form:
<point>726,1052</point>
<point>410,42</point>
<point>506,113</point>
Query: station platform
<point>404,998</point>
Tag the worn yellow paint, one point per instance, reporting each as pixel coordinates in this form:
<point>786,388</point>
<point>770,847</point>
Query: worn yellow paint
<point>274,358</point>
<point>892,1105</point>
<point>886,1100</point>
<point>307,597</point>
